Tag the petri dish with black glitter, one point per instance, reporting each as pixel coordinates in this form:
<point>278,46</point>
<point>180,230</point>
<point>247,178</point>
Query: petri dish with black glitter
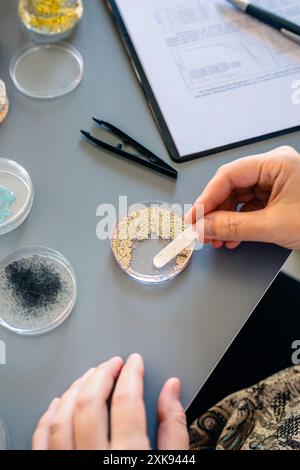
<point>37,290</point>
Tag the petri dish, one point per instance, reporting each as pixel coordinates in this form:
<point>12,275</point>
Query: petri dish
<point>4,439</point>
<point>37,290</point>
<point>16,195</point>
<point>47,71</point>
<point>4,103</point>
<point>141,234</point>
<point>51,20</point>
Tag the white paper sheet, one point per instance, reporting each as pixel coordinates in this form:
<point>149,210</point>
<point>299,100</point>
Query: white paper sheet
<point>218,75</point>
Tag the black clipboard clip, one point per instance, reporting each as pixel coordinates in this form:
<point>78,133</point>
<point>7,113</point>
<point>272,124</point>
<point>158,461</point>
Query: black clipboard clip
<point>143,156</point>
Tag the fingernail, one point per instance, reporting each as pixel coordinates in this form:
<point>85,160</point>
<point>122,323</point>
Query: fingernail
<point>117,358</point>
<point>137,358</point>
<point>176,386</point>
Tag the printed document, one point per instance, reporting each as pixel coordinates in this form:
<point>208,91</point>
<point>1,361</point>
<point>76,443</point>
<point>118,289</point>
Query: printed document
<point>218,75</point>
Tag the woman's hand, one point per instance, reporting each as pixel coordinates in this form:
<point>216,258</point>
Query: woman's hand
<point>268,187</point>
<point>81,419</point>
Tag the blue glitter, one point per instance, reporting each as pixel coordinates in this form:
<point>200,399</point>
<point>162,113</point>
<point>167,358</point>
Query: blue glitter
<point>7,197</point>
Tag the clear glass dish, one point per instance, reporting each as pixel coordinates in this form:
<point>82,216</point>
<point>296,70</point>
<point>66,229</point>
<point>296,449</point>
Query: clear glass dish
<point>16,183</point>
<point>37,290</point>
<point>47,71</point>
<point>142,234</point>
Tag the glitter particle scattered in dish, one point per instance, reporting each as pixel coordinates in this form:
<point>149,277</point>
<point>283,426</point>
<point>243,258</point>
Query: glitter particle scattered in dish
<point>34,291</point>
<point>7,198</point>
<point>153,223</point>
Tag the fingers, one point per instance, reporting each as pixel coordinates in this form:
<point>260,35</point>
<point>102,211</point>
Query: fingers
<point>217,244</point>
<point>40,440</point>
<point>252,205</point>
<point>78,420</point>
<point>232,245</point>
<point>243,174</point>
<point>61,436</point>
<point>258,182</point>
<point>239,226</point>
<point>91,415</point>
<point>57,421</point>
<point>240,176</point>
<point>128,415</point>
<point>172,431</point>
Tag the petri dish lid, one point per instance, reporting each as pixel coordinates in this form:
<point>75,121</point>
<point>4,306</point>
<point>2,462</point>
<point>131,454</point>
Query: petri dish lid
<point>37,290</point>
<point>47,71</point>
<point>152,226</point>
<point>16,195</point>
<point>4,439</point>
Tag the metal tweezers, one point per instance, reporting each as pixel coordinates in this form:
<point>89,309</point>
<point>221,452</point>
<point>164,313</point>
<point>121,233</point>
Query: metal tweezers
<point>144,156</point>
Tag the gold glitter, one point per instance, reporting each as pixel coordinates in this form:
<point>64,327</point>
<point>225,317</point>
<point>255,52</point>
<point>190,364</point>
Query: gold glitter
<point>50,16</point>
<point>143,224</point>
<point>183,257</point>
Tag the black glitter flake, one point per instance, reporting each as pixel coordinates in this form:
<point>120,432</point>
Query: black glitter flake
<point>34,282</point>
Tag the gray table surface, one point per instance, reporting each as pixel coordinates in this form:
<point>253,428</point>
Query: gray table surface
<point>182,328</point>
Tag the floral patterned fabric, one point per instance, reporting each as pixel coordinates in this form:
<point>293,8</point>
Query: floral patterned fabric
<point>263,417</point>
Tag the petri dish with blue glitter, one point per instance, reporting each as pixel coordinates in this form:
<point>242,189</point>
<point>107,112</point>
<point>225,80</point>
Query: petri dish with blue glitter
<point>37,290</point>
<point>16,195</point>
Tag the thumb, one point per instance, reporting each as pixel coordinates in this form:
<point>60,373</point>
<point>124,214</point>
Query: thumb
<point>172,431</point>
<point>238,226</point>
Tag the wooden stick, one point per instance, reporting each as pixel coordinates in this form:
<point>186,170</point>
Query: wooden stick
<point>184,240</point>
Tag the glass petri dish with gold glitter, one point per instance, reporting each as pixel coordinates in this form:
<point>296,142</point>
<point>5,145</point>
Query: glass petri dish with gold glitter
<point>141,234</point>
<point>50,20</point>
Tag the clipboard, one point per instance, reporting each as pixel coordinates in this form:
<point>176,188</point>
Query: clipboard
<point>156,109</point>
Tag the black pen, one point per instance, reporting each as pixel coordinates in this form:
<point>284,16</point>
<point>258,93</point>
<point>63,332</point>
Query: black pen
<point>286,27</point>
